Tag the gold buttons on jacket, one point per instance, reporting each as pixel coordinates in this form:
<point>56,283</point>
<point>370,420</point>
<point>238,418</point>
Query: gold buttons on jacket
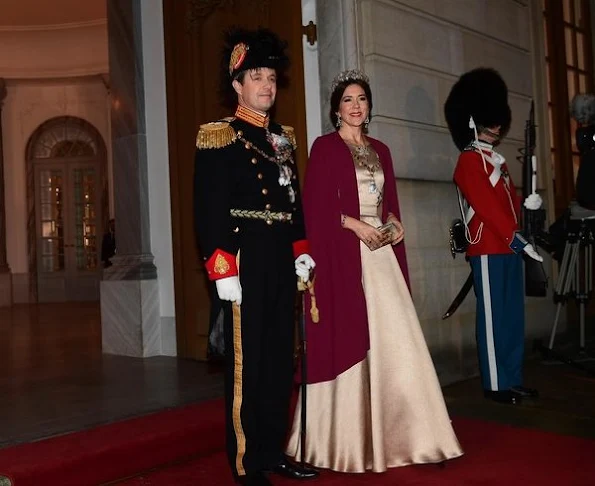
<point>247,145</point>
<point>265,191</point>
<point>254,161</point>
<point>259,175</point>
<point>269,222</point>
<point>268,207</point>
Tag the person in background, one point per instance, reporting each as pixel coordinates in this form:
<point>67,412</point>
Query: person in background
<point>582,109</point>
<point>108,244</point>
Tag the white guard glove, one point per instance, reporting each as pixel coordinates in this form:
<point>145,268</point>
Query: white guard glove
<point>303,265</point>
<point>533,201</point>
<point>229,288</point>
<point>529,250</point>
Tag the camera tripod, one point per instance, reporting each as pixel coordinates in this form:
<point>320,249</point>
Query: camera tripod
<point>572,282</point>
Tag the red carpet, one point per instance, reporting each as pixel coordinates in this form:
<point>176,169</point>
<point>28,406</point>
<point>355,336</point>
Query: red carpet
<point>494,455</point>
<point>117,450</point>
<point>184,447</point>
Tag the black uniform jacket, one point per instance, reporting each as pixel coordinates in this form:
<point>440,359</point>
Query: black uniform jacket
<point>234,170</point>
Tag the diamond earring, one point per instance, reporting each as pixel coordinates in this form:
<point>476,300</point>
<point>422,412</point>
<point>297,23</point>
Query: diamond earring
<point>366,122</point>
<point>339,121</point>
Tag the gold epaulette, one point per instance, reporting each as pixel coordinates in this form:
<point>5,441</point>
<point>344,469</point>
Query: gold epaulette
<point>215,135</point>
<point>289,133</point>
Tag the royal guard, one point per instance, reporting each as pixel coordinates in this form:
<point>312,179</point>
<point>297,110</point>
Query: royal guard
<point>250,229</point>
<point>478,117</point>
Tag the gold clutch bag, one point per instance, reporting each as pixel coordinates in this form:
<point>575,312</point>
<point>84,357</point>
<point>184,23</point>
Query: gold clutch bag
<point>389,230</point>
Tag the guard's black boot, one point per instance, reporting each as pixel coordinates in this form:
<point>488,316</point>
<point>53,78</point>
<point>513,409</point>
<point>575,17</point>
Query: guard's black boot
<point>503,396</point>
<point>525,392</point>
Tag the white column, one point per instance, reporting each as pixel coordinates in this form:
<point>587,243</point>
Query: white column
<point>311,76</point>
<point>158,165</point>
<point>137,313</point>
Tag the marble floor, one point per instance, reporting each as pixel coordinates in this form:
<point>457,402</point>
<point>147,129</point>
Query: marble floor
<point>54,380</point>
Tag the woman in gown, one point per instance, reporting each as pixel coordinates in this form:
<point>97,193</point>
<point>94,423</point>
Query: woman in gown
<point>373,397</point>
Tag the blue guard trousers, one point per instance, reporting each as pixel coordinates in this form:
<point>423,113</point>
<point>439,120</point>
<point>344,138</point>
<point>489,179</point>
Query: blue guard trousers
<point>500,319</point>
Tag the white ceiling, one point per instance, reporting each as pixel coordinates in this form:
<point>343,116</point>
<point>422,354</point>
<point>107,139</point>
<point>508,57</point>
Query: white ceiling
<point>37,13</point>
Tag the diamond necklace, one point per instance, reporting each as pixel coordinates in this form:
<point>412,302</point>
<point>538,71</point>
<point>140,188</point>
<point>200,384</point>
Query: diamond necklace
<point>361,155</point>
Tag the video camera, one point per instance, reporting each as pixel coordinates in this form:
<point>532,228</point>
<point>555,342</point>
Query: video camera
<point>585,139</point>
<point>582,109</point>
<point>585,178</point>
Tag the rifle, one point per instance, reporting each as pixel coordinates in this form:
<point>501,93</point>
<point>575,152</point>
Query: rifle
<point>533,220</point>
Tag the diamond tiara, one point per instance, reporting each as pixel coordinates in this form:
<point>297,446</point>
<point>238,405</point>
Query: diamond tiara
<point>349,75</point>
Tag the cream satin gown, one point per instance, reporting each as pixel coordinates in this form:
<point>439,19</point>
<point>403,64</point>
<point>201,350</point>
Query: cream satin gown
<point>387,410</point>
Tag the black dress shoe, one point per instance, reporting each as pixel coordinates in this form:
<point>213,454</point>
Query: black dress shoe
<point>255,479</point>
<point>503,396</point>
<point>294,471</point>
<point>524,392</point>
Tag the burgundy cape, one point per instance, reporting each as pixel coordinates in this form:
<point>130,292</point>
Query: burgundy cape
<point>341,338</point>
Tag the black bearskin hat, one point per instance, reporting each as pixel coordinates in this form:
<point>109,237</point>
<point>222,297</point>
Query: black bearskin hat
<point>250,49</point>
<point>483,95</point>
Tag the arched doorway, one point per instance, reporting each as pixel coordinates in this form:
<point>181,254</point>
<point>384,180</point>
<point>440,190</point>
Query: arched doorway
<point>67,207</point>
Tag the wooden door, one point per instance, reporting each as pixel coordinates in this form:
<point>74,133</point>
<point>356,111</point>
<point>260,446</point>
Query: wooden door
<point>193,32</point>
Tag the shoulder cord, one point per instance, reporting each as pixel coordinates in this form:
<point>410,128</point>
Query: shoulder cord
<point>494,178</point>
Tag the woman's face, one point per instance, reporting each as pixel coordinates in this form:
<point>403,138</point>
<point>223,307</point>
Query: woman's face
<point>354,107</point>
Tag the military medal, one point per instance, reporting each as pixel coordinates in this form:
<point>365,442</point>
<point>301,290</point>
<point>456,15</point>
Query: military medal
<point>283,154</point>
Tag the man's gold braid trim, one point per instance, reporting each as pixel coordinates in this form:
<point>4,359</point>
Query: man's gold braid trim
<point>309,287</point>
<point>215,135</point>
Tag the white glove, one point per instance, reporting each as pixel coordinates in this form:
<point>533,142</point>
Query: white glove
<point>303,265</point>
<point>529,250</point>
<point>229,288</point>
<point>533,201</point>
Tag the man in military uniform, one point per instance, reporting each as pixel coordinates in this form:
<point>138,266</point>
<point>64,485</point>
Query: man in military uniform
<point>250,229</point>
<point>478,116</point>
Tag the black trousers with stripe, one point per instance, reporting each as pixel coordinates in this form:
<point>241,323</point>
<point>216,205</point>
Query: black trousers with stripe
<point>259,342</point>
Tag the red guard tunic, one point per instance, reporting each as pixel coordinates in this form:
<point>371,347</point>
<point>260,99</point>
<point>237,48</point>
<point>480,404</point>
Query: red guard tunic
<point>497,208</point>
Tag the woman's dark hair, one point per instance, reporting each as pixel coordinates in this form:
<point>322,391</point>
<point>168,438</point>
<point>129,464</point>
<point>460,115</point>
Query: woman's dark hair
<point>337,94</point>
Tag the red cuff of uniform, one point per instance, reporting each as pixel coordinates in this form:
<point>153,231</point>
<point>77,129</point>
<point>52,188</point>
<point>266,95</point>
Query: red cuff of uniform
<point>221,265</point>
<point>300,247</point>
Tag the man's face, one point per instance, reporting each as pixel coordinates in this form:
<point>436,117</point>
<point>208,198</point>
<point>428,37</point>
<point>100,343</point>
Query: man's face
<point>491,134</point>
<point>258,89</point>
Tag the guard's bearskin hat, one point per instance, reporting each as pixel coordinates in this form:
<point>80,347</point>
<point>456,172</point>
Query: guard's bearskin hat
<point>251,49</point>
<point>483,95</point>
